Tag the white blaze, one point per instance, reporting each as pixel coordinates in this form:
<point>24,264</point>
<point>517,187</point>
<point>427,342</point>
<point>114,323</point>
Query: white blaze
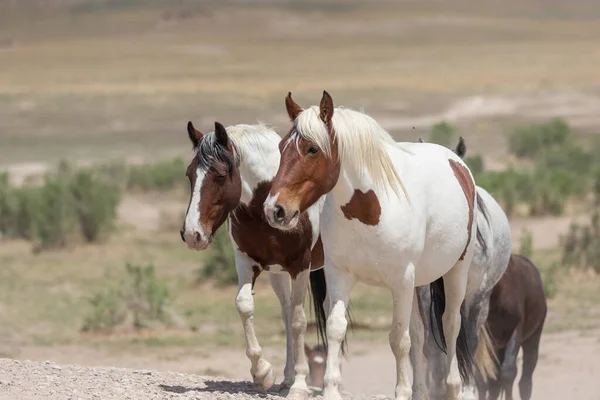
<point>192,219</point>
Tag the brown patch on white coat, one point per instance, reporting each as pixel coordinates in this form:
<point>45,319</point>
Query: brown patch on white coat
<point>364,207</point>
<point>466,183</point>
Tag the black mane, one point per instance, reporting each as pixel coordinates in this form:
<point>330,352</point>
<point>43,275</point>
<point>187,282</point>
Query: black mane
<point>209,149</point>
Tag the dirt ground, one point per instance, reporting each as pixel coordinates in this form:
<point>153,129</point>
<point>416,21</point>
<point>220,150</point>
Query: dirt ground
<point>567,368</point>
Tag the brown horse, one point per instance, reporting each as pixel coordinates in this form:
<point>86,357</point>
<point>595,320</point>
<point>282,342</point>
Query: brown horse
<point>230,177</point>
<point>317,357</point>
<point>516,320</point>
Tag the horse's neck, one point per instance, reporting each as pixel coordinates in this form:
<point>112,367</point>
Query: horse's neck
<point>259,163</point>
<point>353,177</point>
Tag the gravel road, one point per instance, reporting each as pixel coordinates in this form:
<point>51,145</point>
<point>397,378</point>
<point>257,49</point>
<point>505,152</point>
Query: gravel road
<point>25,380</point>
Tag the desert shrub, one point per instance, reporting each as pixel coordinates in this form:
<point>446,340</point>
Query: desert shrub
<point>139,300</point>
<point>219,263</point>
<point>9,205</point>
<point>528,140</point>
<point>145,296</point>
<point>596,185</point>
<point>164,175</point>
<point>95,203</point>
<point>443,134</point>
<point>475,164</point>
<point>550,280</point>
<point>54,220</point>
<point>107,311</point>
<point>581,245</point>
<point>67,202</point>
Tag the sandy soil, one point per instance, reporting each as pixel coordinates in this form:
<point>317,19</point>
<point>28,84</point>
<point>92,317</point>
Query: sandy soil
<point>567,369</point>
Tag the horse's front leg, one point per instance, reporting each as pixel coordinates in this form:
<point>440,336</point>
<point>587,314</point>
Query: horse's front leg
<point>339,286</point>
<point>261,369</point>
<point>299,390</point>
<point>281,286</point>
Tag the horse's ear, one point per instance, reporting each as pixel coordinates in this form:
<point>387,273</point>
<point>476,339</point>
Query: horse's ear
<point>421,140</point>
<point>326,108</point>
<point>221,134</point>
<point>194,134</point>
<point>461,147</point>
<point>293,109</point>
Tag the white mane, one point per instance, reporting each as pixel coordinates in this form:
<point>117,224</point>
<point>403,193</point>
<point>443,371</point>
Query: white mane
<point>360,140</point>
<point>251,138</point>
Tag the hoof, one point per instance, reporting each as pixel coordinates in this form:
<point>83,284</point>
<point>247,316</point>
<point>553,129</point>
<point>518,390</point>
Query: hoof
<point>285,385</point>
<point>331,395</point>
<point>297,394</point>
<point>265,377</point>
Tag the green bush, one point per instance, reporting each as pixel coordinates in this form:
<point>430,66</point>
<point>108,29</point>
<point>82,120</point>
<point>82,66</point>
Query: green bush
<point>67,202</point>
<point>107,311</point>
<point>164,175</point>
<point>475,164</point>
<point>581,246</point>
<point>443,134</point>
<point>219,264</point>
<point>54,219</point>
<point>528,140</point>
<point>526,245</point>
<point>139,300</point>
<point>549,280</point>
<point>95,203</point>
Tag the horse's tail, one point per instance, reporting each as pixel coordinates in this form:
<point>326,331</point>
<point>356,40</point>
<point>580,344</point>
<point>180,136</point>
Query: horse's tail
<point>481,207</point>
<point>464,353</point>
<point>318,290</point>
<point>486,359</point>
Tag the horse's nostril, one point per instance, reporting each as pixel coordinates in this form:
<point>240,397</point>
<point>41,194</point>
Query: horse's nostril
<point>197,237</point>
<point>182,235</point>
<point>279,214</point>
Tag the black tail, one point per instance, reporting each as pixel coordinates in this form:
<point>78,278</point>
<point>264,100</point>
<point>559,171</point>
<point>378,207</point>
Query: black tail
<point>484,211</point>
<point>464,351</point>
<point>318,289</point>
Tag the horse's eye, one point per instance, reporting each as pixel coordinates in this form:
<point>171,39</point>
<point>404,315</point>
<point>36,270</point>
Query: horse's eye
<point>313,150</point>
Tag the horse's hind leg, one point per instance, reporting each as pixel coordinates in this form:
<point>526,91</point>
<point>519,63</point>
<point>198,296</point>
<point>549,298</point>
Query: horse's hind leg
<point>261,369</point>
<point>281,286</point>
<point>530,356</point>
<point>455,286</point>
<point>402,293</point>
<point>508,369</point>
<point>299,390</point>
<point>417,350</point>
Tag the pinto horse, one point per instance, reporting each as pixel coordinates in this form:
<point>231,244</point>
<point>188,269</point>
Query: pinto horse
<point>230,176</point>
<point>492,253</point>
<point>516,319</point>
<point>393,216</point>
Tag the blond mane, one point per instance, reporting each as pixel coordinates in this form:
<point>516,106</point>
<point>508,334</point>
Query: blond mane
<point>360,140</point>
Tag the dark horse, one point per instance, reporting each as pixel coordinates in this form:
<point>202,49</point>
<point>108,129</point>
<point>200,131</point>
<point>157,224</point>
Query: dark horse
<point>516,320</point>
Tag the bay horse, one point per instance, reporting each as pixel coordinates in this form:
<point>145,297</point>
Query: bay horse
<point>230,177</point>
<point>492,254</point>
<point>516,320</point>
<point>394,216</point>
